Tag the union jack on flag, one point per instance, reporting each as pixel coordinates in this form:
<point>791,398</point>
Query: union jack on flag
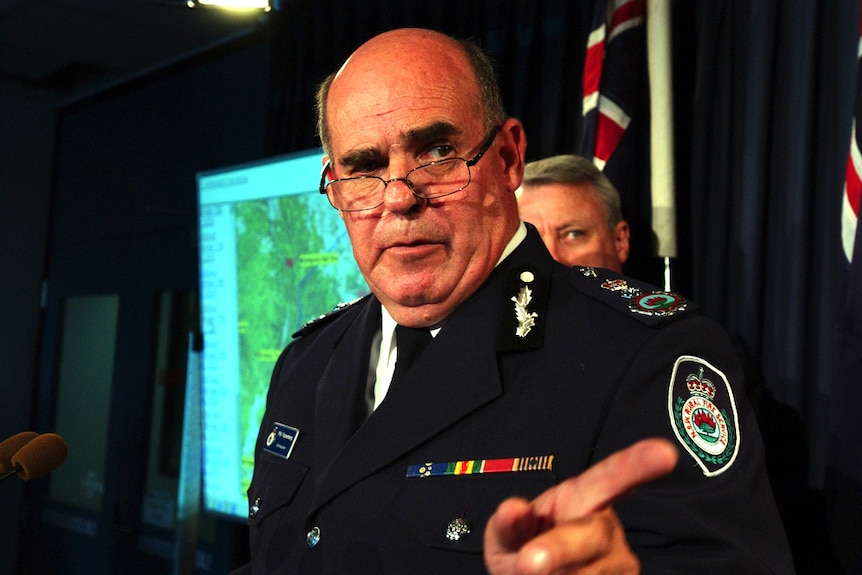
<point>845,451</point>
<point>853,175</point>
<point>611,91</point>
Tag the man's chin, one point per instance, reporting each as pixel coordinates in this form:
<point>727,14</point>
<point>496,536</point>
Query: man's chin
<point>413,312</point>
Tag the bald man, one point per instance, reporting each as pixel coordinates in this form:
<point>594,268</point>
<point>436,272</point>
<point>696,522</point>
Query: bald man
<point>487,409</point>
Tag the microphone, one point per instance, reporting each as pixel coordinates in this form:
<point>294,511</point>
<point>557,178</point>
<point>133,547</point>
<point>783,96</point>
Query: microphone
<point>10,447</point>
<point>40,456</point>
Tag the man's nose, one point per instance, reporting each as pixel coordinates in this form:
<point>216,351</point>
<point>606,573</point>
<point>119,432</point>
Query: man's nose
<point>398,196</point>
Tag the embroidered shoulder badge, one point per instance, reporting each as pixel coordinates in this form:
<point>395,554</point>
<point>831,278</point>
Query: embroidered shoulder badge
<point>658,303</point>
<point>703,414</point>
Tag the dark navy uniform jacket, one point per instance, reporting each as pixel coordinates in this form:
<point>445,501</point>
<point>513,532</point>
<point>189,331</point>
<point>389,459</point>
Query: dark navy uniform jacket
<point>605,362</point>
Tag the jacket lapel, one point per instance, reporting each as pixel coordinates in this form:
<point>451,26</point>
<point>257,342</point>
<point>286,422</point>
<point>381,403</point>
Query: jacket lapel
<point>340,406</point>
<point>457,373</point>
<point>452,377</point>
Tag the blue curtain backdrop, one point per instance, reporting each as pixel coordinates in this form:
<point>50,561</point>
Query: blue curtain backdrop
<point>763,101</point>
<point>771,121</point>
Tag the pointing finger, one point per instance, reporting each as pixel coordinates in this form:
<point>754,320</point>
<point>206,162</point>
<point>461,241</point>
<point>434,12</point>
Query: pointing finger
<point>607,481</point>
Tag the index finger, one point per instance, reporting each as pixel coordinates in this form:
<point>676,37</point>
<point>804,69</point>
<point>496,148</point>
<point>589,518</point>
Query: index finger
<point>607,481</point>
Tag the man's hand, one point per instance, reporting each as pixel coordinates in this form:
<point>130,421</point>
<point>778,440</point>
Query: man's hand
<point>571,528</point>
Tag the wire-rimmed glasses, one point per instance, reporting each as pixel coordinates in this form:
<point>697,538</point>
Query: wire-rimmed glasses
<point>428,181</point>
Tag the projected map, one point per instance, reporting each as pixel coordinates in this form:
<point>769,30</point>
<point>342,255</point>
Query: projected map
<point>294,259</point>
<point>273,255</point>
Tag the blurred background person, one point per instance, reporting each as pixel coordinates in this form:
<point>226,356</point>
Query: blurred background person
<point>577,211</point>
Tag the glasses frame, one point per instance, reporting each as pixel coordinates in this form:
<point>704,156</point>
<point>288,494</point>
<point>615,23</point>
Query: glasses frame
<point>486,145</point>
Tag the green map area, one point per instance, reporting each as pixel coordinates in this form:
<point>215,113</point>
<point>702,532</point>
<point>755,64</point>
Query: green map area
<point>295,263</point>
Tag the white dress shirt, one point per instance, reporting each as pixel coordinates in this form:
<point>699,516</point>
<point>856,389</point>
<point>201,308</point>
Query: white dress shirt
<point>384,349</point>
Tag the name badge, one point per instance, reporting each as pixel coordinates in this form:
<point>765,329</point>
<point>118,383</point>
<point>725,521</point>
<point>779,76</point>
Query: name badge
<point>281,440</point>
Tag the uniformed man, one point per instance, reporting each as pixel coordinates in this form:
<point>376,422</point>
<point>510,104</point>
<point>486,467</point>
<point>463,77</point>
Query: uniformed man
<point>511,444</point>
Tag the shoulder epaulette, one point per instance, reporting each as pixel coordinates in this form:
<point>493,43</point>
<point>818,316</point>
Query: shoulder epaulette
<point>640,300</point>
<point>320,320</point>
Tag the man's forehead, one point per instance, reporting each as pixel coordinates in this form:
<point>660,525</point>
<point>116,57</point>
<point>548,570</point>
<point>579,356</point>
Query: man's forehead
<point>399,87</point>
<point>576,191</point>
<point>577,199</point>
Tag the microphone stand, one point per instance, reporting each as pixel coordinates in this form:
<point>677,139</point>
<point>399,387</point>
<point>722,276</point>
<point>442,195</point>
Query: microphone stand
<point>14,471</point>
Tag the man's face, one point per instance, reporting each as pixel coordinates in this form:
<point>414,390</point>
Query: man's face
<point>399,102</point>
<point>573,224</point>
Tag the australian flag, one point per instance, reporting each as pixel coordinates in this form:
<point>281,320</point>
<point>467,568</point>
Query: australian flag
<point>853,177</point>
<point>847,393</point>
<point>616,119</point>
<point>844,467</point>
<point>614,76</point>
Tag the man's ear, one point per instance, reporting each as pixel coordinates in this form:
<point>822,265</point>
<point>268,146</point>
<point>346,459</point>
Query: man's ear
<point>513,144</point>
<point>323,161</point>
<point>621,240</point>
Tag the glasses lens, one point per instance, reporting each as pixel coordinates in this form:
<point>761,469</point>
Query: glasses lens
<point>353,194</point>
<point>429,181</point>
<point>440,178</point>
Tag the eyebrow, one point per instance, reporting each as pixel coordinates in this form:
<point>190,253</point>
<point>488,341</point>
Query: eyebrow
<point>435,131</point>
<point>362,156</point>
<point>410,139</point>
<point>576,225</point>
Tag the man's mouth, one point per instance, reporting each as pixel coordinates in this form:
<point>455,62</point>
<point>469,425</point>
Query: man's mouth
<point>413,249</point>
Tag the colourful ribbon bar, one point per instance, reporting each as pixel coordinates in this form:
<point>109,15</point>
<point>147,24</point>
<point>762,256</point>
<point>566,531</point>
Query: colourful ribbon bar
<point>477,466</point>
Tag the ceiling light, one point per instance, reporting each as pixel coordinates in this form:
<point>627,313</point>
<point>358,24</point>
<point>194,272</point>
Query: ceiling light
<point>232,4</point>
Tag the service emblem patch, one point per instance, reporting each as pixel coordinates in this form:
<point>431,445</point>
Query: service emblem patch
<point>658,303</point>
<point>703,414</point>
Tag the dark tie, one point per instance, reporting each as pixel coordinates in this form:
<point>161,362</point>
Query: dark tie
<point>410,342</point>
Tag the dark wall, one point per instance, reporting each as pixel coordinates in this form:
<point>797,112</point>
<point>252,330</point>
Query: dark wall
<point>26,140</point>
<point>120,218</point>
<point>126,159</point>
<point>122,212</point>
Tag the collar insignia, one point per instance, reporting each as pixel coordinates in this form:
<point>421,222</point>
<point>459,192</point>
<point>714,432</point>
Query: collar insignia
<point>523,327</point>
<point>526,318</point>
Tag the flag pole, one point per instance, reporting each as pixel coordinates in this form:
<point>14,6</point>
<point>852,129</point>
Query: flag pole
<point>662,182</point>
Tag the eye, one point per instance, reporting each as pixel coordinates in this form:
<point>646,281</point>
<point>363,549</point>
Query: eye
<point>365,168</point>
<point>435,152</point>
<point>363,163</point>
<point>572,234</point>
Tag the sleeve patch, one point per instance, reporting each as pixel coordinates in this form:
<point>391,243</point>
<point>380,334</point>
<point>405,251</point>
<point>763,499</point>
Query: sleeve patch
<point>703,414</point>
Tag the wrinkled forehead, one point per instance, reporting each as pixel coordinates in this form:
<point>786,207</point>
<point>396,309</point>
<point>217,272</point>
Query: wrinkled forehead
<point>399,79</point>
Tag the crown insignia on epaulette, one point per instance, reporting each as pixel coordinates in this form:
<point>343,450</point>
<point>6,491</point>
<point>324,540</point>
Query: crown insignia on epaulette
<point>620,286</point>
